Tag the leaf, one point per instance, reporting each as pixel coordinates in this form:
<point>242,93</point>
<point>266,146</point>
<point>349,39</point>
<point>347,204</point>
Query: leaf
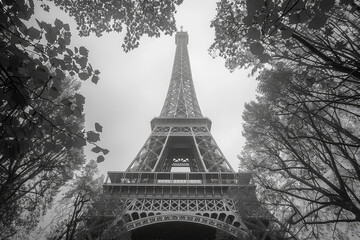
<point>79,142</point>
<point>45,7</point>
<point>100,159</point>
<point>34,33</point>
<point>61,42</point>
<point>60,74</point>
<point>83,75</point>
<point>98,127</point>
<point>77,112</point>
<point>66,27</point>
<point>21,133</point>
<point>40,76</point>
<point>304,15</point>
<point>326,5</point>
<point>68,112</point>
<point>92,136</point>
<point>96,149</point>
<point>55,62</point>
<point>254,33</point>
<point>256,48</point>
<point>328,31</point>
<point>58,24</point>
<point>59,120</point>
<point>82,61</point>
<point>294,18</point>
<point>95,79</point>
<point>264,58</point>
<point>287,33</point>
<point>83,51</point>
<point>67,38</point>
<point>80,99</point>
<point>19,98</point>
<point>339,45</point>
<point>49,146</point>
<point>89,68</point>
<point>69,51</point>
<point>50,34</point>
<point>54,93</point>
<point>247,20</point>
<point>318,21</point>
<point>253,6</point>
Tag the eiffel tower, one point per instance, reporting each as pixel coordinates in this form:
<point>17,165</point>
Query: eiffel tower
<point>162,202</point>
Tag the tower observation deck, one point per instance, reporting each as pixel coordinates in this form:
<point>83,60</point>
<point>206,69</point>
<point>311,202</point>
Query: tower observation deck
<point>154,192</point>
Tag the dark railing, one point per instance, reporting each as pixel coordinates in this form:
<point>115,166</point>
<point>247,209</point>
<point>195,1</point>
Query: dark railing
<point>177,178</point>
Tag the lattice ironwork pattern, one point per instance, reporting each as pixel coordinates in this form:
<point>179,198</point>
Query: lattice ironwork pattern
<point>211,154</point>
<point>188,205</point>
<point>199,219</point>
<point>220,213</point>
<point>181,99</point>
<point>149,154</point>
<point>206,155</point>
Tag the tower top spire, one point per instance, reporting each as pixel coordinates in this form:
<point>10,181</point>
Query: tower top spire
<point>181,37</point>
<point>180,135</point>
<point>181,99</point>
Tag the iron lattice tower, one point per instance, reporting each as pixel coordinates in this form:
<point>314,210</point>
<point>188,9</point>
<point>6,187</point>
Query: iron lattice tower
<point>151,189</point>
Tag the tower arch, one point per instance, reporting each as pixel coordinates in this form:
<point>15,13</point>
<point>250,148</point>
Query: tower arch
<point>188,218</point>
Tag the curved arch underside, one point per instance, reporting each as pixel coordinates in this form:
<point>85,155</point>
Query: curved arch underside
<point>187,218</point>
<point>177,231</point>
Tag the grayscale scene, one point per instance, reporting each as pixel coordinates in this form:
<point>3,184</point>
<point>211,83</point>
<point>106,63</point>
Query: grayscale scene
<point>180,120</point>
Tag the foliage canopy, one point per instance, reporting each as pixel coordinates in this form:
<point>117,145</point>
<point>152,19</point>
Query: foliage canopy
<point>42,131</point>
<point>135,18</point>
<point>302,130</point>
<point>320,35</point>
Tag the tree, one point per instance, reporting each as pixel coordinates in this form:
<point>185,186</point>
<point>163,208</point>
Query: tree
<point>105,219</point>
<point>302,144</point>
<point>41,115</point>
<point>302,131</point>
<point>77,199</point>
<point>319,35</point>
<point>41,109</point>
<point>136,18</point>
<point>85,212</point>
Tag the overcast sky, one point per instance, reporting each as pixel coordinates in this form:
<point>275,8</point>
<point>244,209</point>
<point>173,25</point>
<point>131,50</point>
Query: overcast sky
<point>133,86</point>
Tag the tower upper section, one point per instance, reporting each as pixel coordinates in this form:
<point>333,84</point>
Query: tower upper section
<point>181,101</point>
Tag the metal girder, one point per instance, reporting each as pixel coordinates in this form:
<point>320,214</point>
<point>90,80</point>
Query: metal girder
<point>217,213</point>
<point>195,143</point>
<point>181,99</point>
<point>148,155</point>
<point>197,219</point>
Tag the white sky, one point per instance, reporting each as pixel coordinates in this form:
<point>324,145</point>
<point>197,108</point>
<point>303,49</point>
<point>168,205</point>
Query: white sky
<point>132,86</point>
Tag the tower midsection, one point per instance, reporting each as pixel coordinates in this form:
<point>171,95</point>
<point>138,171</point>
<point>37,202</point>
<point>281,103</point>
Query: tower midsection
<point>180,144</point>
